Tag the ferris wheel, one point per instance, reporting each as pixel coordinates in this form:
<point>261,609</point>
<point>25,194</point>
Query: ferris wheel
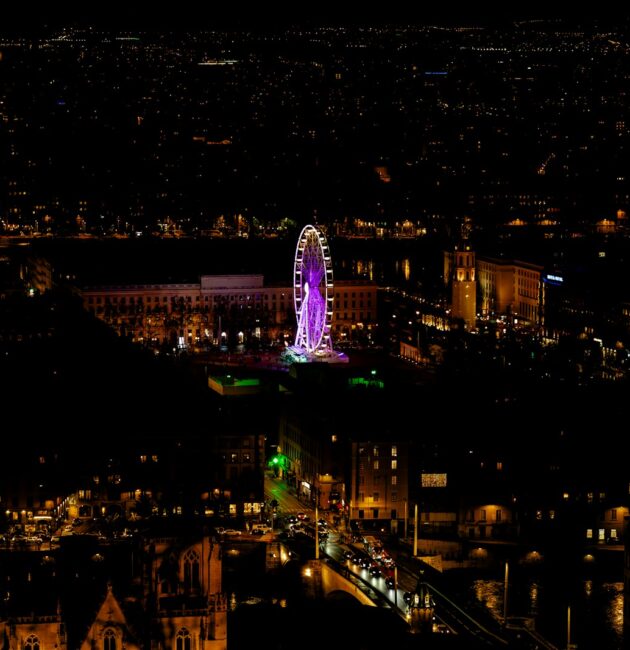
<point>313,292</point>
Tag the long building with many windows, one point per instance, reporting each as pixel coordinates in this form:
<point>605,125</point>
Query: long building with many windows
<point>221,309</point>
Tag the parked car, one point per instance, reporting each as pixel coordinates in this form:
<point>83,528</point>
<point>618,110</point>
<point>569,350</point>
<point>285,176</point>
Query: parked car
<point>260,529</point>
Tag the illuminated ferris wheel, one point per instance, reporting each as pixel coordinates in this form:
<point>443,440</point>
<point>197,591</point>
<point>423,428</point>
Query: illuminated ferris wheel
<point>313,292</point>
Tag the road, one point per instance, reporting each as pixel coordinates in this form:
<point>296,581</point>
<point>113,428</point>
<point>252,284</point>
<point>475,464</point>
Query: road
<point>449,615</point>
<point>288,503</point>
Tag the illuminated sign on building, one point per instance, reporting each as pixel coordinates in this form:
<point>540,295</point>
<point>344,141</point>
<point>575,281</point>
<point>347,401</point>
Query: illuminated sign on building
<point>558,279</point>
<point>433,480</point>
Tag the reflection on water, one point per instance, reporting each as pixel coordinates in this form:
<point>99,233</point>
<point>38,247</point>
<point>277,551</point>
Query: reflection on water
<point>363,269</point>
<point>533,597</point>
<point>614,611</point>
<point>406,268</point>
<point>597,607</point>
<point>588,588</point>
<point>402,267</point>
<point>490,594</point>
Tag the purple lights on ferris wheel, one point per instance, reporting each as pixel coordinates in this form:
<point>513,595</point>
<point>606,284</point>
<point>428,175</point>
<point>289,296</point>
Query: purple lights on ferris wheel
<point>313,292</point>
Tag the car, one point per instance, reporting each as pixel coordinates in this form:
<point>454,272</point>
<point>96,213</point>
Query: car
<point>348,555</point>
<point>408,597</point>
<point>375,572</point>
<point>261,529</point>
<point>292,519</point>
<point>365,562</point>
<point>389,583</point>
<point>232,532</point>
<point>301,516</point>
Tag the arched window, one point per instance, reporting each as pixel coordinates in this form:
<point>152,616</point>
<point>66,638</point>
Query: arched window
<point>183,640</point>
<point>191,570</point>
<point>109,639</point>
<point>32,643</point>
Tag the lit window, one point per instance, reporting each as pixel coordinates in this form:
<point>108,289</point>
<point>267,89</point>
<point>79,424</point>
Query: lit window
<point>143,459</point>
<point>232,508</point>
<point>538,514</point>
<point>109,639</point>
<point>154,458</point>
<point>499,466</point>
<point>394,480</point>
<point>601,534</point>
<point>394,464</point>
<point>613,533</point>
<point>395,453</point>
<point>375,464</point>
<point>183,640</point>
<point>375,451</point>
<point>333,438</point>
<point>552,514</point>
<point>42,461</point>
<point>31,643</point>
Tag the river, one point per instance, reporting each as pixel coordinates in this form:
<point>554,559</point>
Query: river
<point>596,599</point>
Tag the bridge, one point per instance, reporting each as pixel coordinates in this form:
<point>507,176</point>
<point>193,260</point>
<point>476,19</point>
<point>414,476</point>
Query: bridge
<point>328,578</point>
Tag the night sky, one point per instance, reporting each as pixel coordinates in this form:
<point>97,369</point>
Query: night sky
<point>264,16</point>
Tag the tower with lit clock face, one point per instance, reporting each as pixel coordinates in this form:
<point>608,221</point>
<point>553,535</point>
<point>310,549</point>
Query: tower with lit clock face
<point>464,284</point>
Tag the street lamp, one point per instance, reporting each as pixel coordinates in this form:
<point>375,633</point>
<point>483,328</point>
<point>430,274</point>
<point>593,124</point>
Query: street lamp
<point>316,531</point>
<point>505,594</point>
<point>415,531</point>
<point>406,517</point>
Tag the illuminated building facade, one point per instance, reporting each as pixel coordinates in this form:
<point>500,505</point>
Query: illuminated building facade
<point>464,286</point>
<point>486,521</point>
<point>506,287</point>
<point>379,483</point>
<point>221,309</point>
<point>510,287</point>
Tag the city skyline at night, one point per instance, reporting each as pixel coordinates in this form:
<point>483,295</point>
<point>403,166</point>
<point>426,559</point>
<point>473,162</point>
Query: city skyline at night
<point>196,210</point>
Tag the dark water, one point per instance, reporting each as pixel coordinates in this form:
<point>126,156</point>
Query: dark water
<point>400,262</point>
<point>596,603</point>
